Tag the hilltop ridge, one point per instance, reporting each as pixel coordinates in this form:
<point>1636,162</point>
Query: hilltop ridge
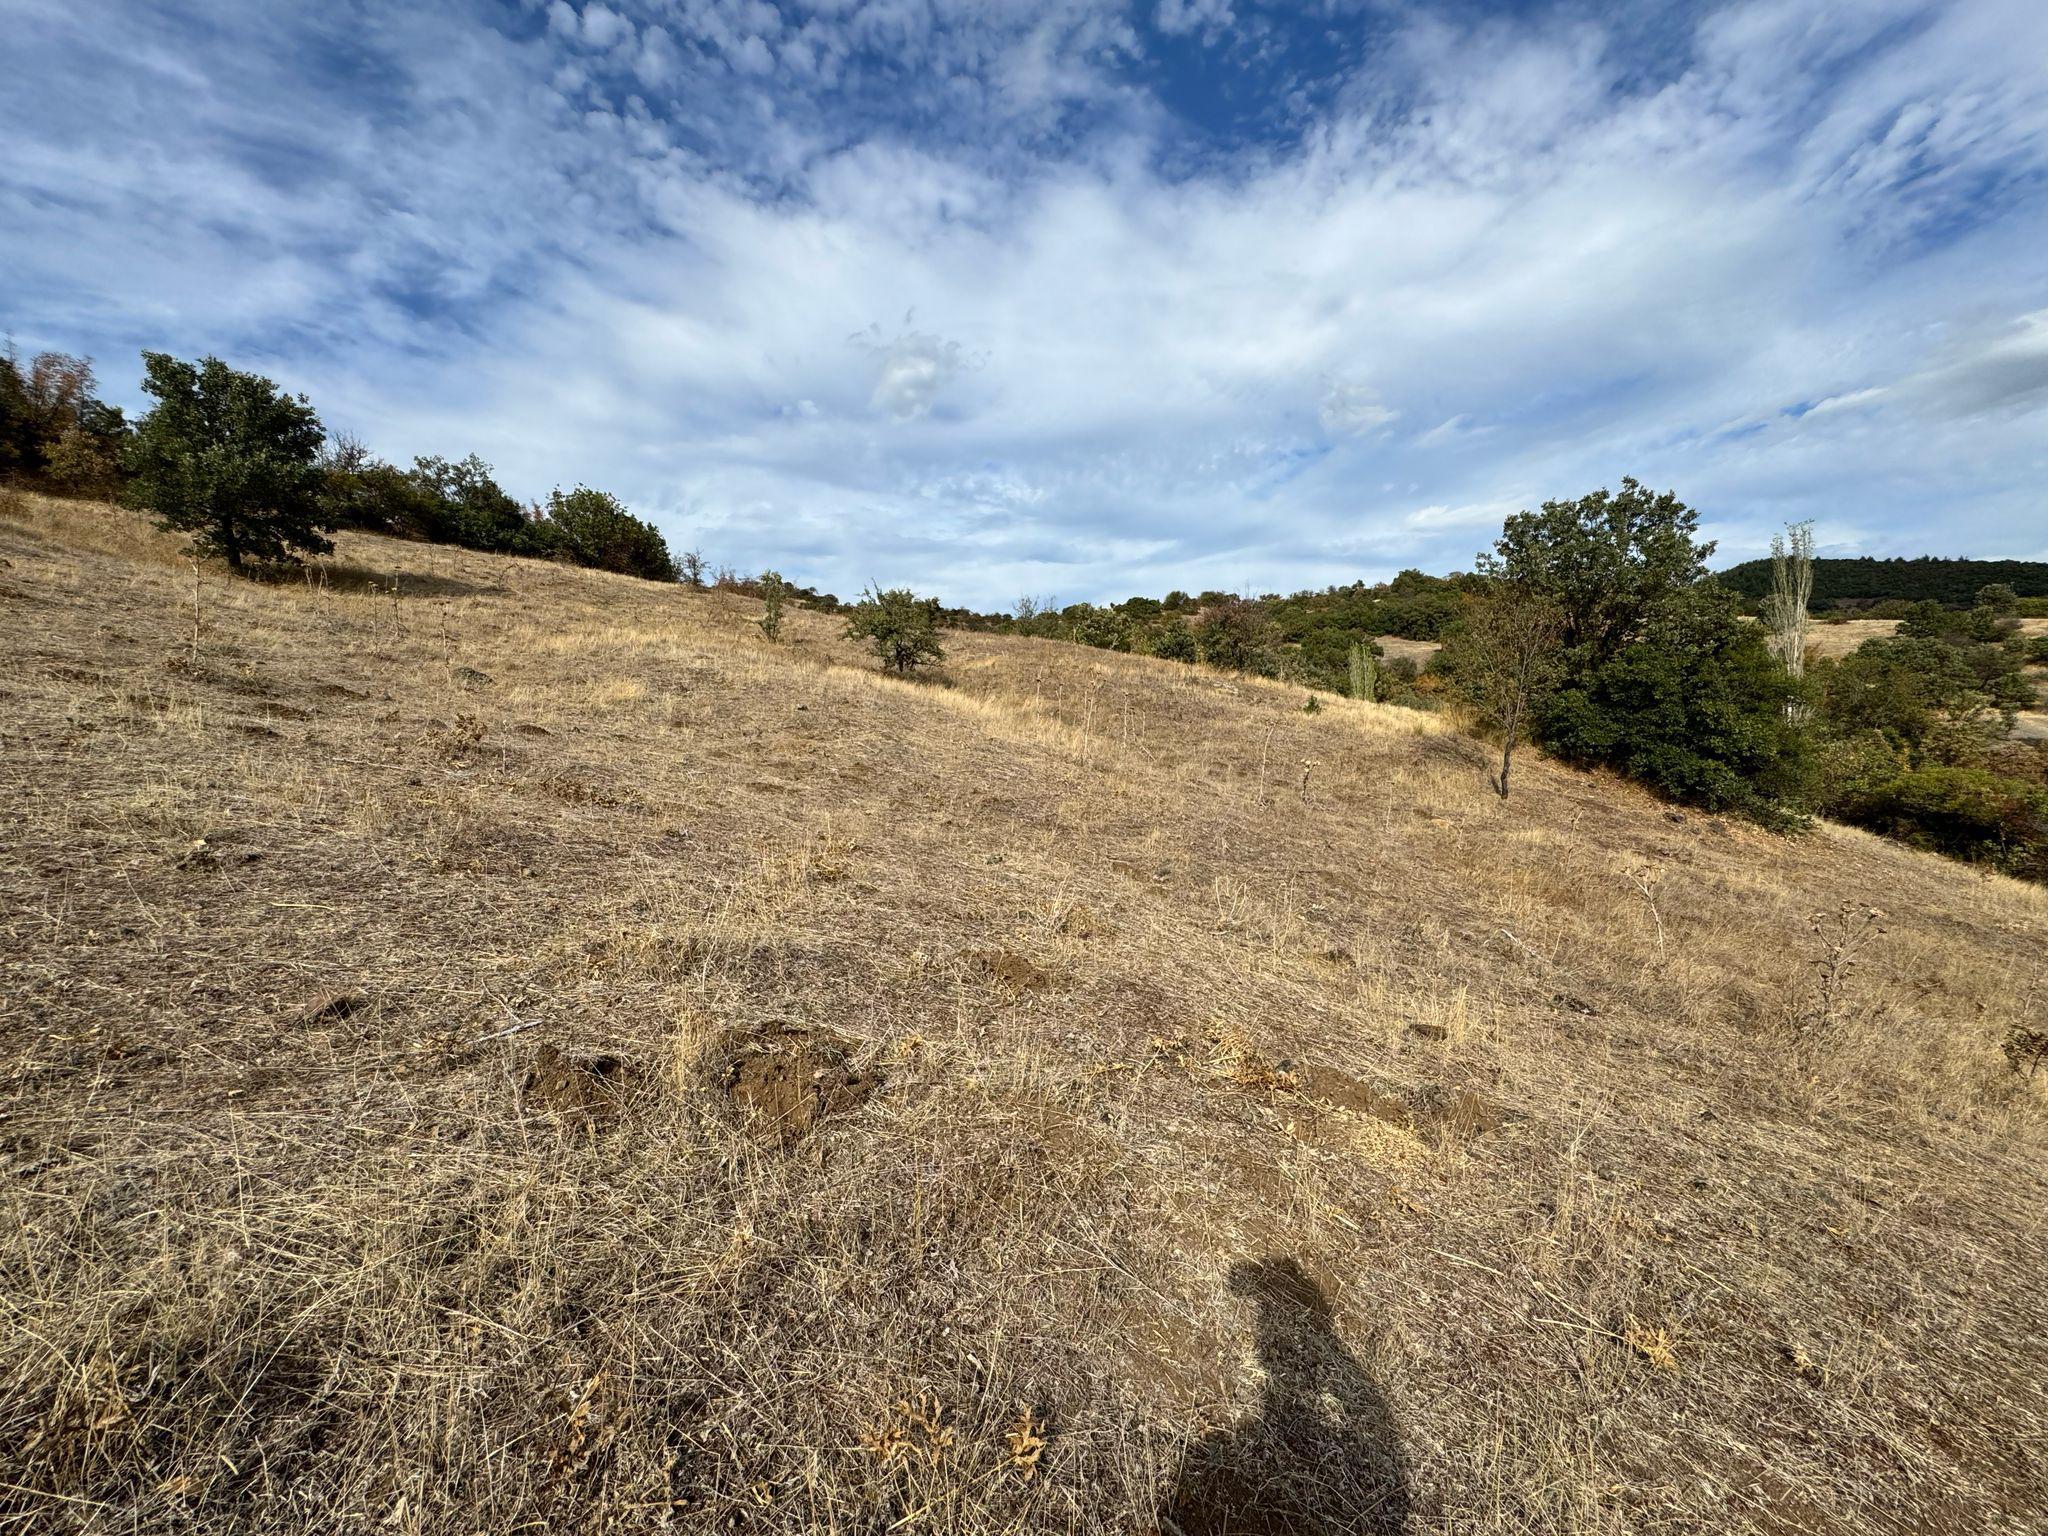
<point>494,1045</point>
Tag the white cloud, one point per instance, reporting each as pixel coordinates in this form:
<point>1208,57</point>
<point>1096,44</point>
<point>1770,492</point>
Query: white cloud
<point>914,369</point>
<point>614,257</point>
<point>1179,16</point>
<point>1353,410</point>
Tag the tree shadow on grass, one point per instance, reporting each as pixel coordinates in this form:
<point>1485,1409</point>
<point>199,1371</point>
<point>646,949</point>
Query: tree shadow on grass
<point>360,579</point>
<point>1321,1455</point>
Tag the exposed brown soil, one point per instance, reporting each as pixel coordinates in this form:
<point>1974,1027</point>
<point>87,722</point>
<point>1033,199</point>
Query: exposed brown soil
<point>785,1082</point>
<point>584,1087</point>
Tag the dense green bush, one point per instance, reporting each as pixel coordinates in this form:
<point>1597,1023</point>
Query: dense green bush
<point>1236,635</point>
<point>1173,639</point>
<point>594,529</point>
<point>1696,708</point>
<point>1968,813</point>
<point>230,459</point>
<point>902,628</point>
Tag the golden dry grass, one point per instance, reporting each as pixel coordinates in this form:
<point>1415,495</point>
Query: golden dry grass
<point>1255,1114</point>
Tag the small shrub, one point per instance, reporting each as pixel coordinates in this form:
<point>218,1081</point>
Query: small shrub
<point>596,530</point>
<point>772,591</point>
<point>902,627</point>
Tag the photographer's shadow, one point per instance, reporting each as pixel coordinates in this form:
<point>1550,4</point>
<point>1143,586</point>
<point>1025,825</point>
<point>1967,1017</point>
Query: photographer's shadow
<point>1320,1456</point>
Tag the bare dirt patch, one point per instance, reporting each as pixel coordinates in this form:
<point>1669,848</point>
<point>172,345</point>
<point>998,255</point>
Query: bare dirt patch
<point>584,1087</point>
<point>784,1082</point>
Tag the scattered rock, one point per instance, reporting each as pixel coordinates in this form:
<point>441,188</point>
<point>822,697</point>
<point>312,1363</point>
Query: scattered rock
<point>581,1086</point>
<point>783,1084</point>
<point>200,854</point>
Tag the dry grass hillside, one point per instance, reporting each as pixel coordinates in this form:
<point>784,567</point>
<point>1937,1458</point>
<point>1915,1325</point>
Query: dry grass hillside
<point>519,1052</point>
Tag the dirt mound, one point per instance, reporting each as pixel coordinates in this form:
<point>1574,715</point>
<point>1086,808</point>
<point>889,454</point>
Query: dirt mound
<point>1431,1109</point>
<point>582,1087</point>
<point>1326,1085</point>
<point>1010,971</point>
<point>782,1084</point>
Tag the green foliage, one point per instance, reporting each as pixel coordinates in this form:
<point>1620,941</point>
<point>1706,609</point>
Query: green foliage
<point>1173,639</point>
<point>54,429</point>
<point>594,529</point>
<point>1909,690</point>
<point>1954,583</point>
<point>462,503</point>
<point>1696,707</point>
<point>1610,561</point>
<point>773,590</point>
<point>1914,731</point>
<point>902,628</point>
<point>84,463</point>
<point>360,491</point>
<point>1106,629</point>
<point>1236,635</point>
<point>2037,651</point>
<point>230,459</point>
<point>1967,813</point>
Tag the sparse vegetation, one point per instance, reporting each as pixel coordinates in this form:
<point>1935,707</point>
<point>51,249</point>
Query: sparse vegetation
<point>662,1077</point>
<point>773,589</point>
<point>1505,655</point>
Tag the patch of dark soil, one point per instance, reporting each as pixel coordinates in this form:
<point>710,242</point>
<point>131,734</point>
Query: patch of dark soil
<point>1010,971</point>
<point>583,1087</point>
<point>329,1009</point>
<point>782,1084</point>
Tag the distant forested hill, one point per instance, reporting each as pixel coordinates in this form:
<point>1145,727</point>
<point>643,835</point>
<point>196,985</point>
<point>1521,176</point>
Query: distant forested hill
<point>1914,580</point>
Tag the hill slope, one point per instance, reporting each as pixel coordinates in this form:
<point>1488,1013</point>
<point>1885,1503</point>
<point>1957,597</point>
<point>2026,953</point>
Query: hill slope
<point>1866,578</point>
<point>522,1052</point>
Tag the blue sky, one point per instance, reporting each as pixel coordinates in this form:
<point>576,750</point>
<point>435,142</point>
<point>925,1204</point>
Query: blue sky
<point>1077,299</point>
